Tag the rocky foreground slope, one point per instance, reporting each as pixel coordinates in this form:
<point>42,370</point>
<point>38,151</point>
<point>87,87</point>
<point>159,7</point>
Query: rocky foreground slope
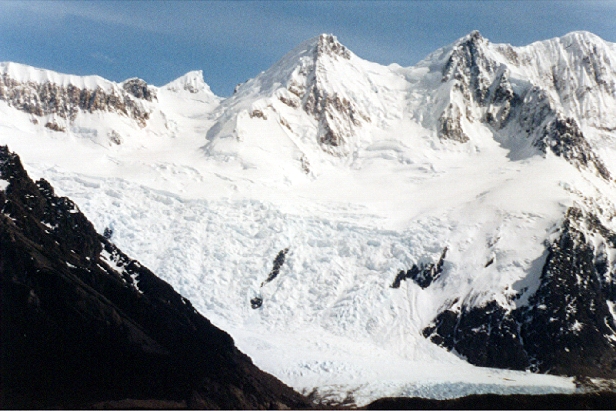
<point>83,324</point>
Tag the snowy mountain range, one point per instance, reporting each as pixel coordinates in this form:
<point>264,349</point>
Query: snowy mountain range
<point>434,230</point>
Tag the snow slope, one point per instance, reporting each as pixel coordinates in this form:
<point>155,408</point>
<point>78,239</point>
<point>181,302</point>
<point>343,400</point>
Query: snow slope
<point>360,171</point>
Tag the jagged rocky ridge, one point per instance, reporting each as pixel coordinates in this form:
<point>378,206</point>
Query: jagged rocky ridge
<point>480,77</point>
<point>566,327</point>
<point>542,104</point>
<point>66,101</point>
<point>83,324</point>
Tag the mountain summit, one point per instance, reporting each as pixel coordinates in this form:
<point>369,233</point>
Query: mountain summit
<point>320,95</point>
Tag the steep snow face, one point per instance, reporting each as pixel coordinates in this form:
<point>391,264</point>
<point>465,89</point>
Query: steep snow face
<point>320,97</point>
<point>402,201</point>
<point>193,83</point>
<point>579,72</point>
<point>548,95</point>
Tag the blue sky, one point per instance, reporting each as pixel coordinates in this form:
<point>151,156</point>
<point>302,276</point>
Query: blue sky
<point>232,41</point>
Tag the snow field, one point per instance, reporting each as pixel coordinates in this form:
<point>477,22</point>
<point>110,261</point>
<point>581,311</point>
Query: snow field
<point>333,292</point>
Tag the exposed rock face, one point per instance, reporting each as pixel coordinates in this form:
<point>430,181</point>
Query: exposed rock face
<point>471,73</point>
<point>422,275</point>
<point>564,137</point>
<point>535,109</point>
<point>450,125</point>
<point>566,327</point>
<point>329,45</point>
<point>485,336</point>
<point>337,115</point>
<point>41,99</point>
<point>55,127</point>
<point>501,102</point>
<point>547,128</point>
<point>470,68</point>
<point>82,323</point>
<point>571,304</point>
<point>139,88</point>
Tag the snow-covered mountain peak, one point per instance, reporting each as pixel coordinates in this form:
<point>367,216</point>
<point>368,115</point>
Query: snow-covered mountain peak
<point>532,99</point>
<point>467,54</point>
<point>474,40</point>
<point>192,82</point>
<point>323,51</point>
<point>329,45</point>
<point>578,39</point>
<point>319,98</point>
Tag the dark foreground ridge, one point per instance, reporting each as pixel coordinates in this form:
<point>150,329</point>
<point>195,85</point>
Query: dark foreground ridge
<point>84,326</point>
<point>589,401</point>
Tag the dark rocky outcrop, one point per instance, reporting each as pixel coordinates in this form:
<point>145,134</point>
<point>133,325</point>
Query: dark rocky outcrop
<point>139,88</point>
<point>566,327</point>
<point>423,275</point>
<point>257,301</point>
<point>450,125</point>
<point>486,336</point>
<point>83,325</point>
<point>564,138</point>
<point>278,262</point>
